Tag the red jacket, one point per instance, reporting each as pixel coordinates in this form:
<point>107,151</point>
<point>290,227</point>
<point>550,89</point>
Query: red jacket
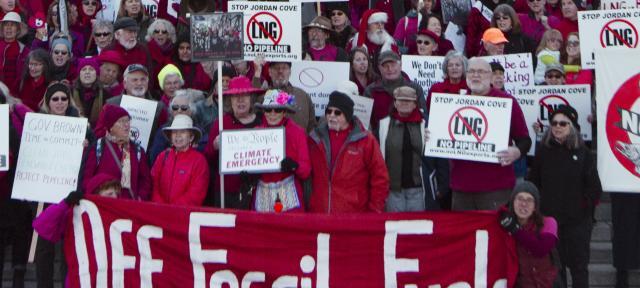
<point>139,54</point>
<point>567,26</point>
<point>475,28</point>
<point>12,58</point>
<point>194,76</point>
<point>358,182</point>
<point>180,178</point>
<point>32,92</point>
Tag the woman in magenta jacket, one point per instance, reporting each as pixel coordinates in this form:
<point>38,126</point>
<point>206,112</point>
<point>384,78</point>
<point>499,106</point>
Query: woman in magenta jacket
<point>180,174</point>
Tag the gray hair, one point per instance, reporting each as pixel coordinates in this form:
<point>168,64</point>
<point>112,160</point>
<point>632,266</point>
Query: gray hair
<point>167,25</point>
<point>451,55</point>
<point>573,141</point>
<point>102,24</point>
<point>191,95</point>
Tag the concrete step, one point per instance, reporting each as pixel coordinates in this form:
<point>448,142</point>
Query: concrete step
<point>601,232</point>
<point>604,275</point>
<point>27,284</point>
<point>601,253</point>
<point>603,212</point>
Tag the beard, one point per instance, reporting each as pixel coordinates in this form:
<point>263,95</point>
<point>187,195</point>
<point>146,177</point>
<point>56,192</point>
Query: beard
<point>138,92</point>
<point>279,83</point>
<point>378,37</point>
<point>128,44</point>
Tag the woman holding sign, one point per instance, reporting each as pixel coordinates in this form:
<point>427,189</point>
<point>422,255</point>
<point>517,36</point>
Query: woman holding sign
<point>282,191</point>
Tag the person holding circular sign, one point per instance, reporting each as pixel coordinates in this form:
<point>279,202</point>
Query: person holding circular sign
<point>565,171</point>
<point>282,191</point>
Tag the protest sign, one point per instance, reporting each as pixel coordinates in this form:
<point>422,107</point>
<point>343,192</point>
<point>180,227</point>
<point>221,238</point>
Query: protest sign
<point>362,109</point>
<point>423,70</point>
<point>109,10</point>
<point>155,245</point>
<point>251,150</point>
<point>272,29</point>
<point>518,70</point>
<point>50,156</point>
<point>538,102</point>
<point>4,137</point>
<point>619,4</point>
<point>316,78</point>
<point>478,127</point>
<point>456,11</point>
<point>216,37</point>
<point>618,113</point>
<point>143,113</point>
<point>455,34</point>
<point>606,29</point>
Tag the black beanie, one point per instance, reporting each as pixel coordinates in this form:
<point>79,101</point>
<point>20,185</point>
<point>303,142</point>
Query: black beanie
<point>53,88</point>
<point>343,102</point>
<point>528,187</point>
<point>568,111</point>
<point>330,7</point>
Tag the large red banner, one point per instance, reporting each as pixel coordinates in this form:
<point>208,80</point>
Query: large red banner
<point>120,243</point>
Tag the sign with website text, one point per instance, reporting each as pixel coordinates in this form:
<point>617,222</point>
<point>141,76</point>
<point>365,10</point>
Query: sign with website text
<point>251,150</point>
<point>318,78</point>
<point>122,243</point>
<point>606,29</point>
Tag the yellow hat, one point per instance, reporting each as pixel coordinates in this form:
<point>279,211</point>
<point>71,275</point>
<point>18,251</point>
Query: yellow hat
<point>167,70</point>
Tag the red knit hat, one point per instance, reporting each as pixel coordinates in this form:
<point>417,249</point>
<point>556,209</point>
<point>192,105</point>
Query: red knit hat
<point>96,181</point>
<point>108,117</point>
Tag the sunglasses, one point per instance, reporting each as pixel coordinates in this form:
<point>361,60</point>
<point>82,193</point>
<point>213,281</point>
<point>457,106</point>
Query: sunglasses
<point>56,99</point>
<point>270,110</point>
<point>425,42</point>
<point>105,34</point>
<point>560,123</point>
<point>88,3</point>
<point>160,31</point>
<point>333,111</point>
<point>60,52</point>
<point>553,75</point>
<point>573,43</point>
<point>180,107</point>
<point>337,13</point>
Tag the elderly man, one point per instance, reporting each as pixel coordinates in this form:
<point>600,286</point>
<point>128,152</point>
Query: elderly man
<point>110,68</point>
<point>381,91</point>
<point>493,42</point>
<point>136,84</point>
<point>487,186</point>
<point>349,174</point>
<point>318,32</point>
<point>373,36</point>
<point>13,53</point>
<point>127,45</point>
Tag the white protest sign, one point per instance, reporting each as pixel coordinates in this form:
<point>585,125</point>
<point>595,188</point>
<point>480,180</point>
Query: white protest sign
<point>362,109</point>
<point>456,35</point>
<point>423,70</point>
<point>478,127</point>
<point>151,6</point>
<point>109,10</point>
<point>606,29</point>
<point>50,157</point>
<point>4,137</point>
<point>252,150</point>
<point>619,4</point>
<point>538,102</point>
<point>142,112</point>
<point>318,78</point>
<point>518,70</point>
<point>618,113</point>
<point>272,29</point>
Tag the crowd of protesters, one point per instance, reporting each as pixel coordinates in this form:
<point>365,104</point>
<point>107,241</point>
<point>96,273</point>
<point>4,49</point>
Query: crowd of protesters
<point>334,163</point>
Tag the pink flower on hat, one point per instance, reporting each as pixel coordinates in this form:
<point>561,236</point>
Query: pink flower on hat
<point>284,99</point>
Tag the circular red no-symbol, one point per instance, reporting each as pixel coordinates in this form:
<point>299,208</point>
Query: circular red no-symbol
<point>469,111</point>
<point>610,28</point>
<point>268,16</point>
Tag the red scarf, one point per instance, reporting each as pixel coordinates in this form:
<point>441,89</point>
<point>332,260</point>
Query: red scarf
<point>414,117</point>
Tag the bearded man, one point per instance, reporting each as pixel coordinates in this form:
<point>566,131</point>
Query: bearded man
<point>373,36</point>
<point>126,43</point>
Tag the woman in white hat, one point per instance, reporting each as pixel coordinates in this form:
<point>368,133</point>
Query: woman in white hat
<point>14,53</point>
<point>282,191</point>
<point>180,174</point>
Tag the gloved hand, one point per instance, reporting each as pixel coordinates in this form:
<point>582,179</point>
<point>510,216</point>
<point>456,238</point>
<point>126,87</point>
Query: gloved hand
<point>509,222</point>
<point>74,198</point>
<point>288,165</point>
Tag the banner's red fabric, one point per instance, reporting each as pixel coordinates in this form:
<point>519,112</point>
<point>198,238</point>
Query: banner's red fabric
<point>115,243</point>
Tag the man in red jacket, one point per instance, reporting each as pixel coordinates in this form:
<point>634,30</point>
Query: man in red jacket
<point>347,169</point>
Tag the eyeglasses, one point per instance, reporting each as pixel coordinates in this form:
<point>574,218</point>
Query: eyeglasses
<point>270,110</point>
<point>180,107</point>
<point>503,18</point>
<point>56,99</point>
<point>560,123</point>
<point>160,31</point>
<point>553,75</point>
<point>527,200</point>
<point>573,43</point>
<point>60,52</point>
<point>477,72</point>
<point>332,111</point>
<point>89,3</point>
<point>425,42</point>
<point>535,0</point>
<point>337,13</point>
<point>105,34</point>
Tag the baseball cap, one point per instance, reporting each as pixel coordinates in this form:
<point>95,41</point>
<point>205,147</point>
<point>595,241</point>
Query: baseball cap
<point>135,68</point>
<point>387,56</point>
<point>494,36</point>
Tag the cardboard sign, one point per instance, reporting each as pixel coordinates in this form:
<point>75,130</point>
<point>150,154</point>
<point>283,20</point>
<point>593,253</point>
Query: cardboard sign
<point>316,78</point>
<point>4,137</point>
<point>362,109</point>
<point>50,157</point>
<point>538,102</point>
<point>143,113</point>
<point>618,113</point>
<point>216,37</point>
<point>477,127</point>
<point>272,29</point>
<point>251,150</point>
<point>619,4</point>
<point>608,29</point>
<point>518,70</point>
<point>423,70</point>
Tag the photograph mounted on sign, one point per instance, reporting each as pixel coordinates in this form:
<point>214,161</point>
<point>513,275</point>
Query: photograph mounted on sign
<point>216,37</point>
<point>4,137</point>
<point>477,127</point>
<point>607,29</point>
<point>619,4</point>
<point>456,11</point>
<point>252,150</point>
<point>423,70</point>
<point>618,113</point>
<point>318,78</point>
<point>272,29</point>
<point>518,70</point>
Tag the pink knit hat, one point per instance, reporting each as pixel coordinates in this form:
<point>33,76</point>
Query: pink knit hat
<point>90,61</point>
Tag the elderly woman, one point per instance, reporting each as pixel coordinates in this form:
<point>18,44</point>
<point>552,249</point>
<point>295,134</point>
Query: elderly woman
<point>453,66</point>
<point>160,38</point>
<point>63,68</point>
<point>282,191</point>
<point>240,97</point>
<point>565,171</point>
<point>362,72</point>
<point>181,174</point>
<point>506,19</point>
<point>426,43</point>
<point>184,103</point>
<point>14,52</point>
<point>88,93</point>
<point>102,36</point>
<point>433,23</point>
<point>116,154</point>
<point>35,78</point>
<point>135,10</point>
<point>170,80</point>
